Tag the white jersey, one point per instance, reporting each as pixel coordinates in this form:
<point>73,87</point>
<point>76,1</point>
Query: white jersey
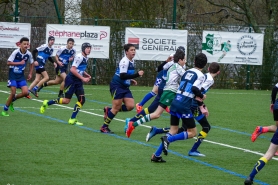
<point>208,82</point>
<point>174,75</point>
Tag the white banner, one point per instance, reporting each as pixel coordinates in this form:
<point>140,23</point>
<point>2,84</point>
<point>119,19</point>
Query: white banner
<point>155,44</point>
<point>233,47</point>
<point>11,33</point>
<point>97,36</point>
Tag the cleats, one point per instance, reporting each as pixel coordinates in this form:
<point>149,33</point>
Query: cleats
<point>74,121</point>
<point>129,129</point>
<point>139,108</point>
<point>276,153</point>
<point>105,110</point>
<point>165,144</point>
<point>258,130</point>
<point>167,109</point>
<point>196,153</point>
<point>151,134</point>
<point>157,159</point>
<point>5,113</point>
<point>248,181</point>
<point>28,96</point>
<point>61,95</point>
<point>34,93</point>
<point>44,106</point>
<point>11,107</point>
<point>106,130</point>
<point>126,124</point>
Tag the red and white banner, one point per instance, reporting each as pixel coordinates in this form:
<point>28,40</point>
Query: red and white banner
<point>97,36</point>
<point>155,44</point>
<point>11,33</point>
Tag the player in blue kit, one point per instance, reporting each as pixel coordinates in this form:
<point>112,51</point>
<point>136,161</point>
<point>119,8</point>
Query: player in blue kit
<point>122,99</point>
<point>190,87</point>
<point>74,84</point>
<point>17,63</point>
<point>154,91</point>
<point>44,52</point>
<point>214,70</point>
<point>274,141</point>
<point>63,56</point>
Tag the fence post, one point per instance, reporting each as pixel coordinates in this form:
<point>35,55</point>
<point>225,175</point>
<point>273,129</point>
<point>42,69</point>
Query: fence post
<point>174,13</point>
<point>248,70</point>
<point>16,11</point>
<point>94,67</point>
<point>57,11</point>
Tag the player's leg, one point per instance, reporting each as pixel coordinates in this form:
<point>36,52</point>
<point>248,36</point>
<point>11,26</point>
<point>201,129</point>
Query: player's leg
<point>145,111</point>
<point>42,81</point>
<point>260,130</point>
<point>189,123</point>
<point>147,97</point>
<point>61,91</point>
<point>80,102</point>
<point>202,135</point>
<point>263,160</point>
<point>163,147</point>
<point>12,85</point>
<point>165,100</point>
<point>35,82</point>
<point>117,94</point>
<point>70,88</point>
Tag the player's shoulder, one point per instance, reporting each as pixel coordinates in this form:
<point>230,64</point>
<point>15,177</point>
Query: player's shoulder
<point>62,48</point>
<point>124,60</point>
<point>16,51</point>
<point>28,52</point>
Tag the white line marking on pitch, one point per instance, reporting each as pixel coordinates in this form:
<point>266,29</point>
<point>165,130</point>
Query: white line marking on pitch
<point>221,144</point>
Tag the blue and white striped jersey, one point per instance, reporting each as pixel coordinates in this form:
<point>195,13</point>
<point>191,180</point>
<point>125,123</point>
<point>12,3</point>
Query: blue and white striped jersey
<point>43,53</point>
<point>65,54</point>
<point>17,72</point>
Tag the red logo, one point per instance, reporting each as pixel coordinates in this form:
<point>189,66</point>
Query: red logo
<point>134,41</point>
<point>103,34</point>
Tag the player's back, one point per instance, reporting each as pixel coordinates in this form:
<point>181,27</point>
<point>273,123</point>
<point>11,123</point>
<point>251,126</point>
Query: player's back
<point>183,99</point>
<point>44,52</point>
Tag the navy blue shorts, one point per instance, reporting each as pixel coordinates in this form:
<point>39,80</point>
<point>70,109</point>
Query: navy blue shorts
<point>119,92</point>
<point>274,139</point>
<point>73,87</point>
<point>17,84</point>
<point>59,70</point>
<point>39,70</point>
<point>198,115</point>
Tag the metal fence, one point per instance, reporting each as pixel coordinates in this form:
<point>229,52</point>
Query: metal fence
<point>102,70</point>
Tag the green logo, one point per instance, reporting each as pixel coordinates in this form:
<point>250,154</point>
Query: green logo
<point>213,44</point>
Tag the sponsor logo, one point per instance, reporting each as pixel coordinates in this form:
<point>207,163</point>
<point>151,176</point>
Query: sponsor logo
<point>76,34</point>
<point>2,28</point>
<point>213,44</point>
<point>134,41</point>
<point>246,45</point>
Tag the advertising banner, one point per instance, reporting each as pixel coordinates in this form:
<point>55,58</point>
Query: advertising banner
<point>155,44</point>
<point>11,33</point>
<point>97,36</point>
<point>233,47</point>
